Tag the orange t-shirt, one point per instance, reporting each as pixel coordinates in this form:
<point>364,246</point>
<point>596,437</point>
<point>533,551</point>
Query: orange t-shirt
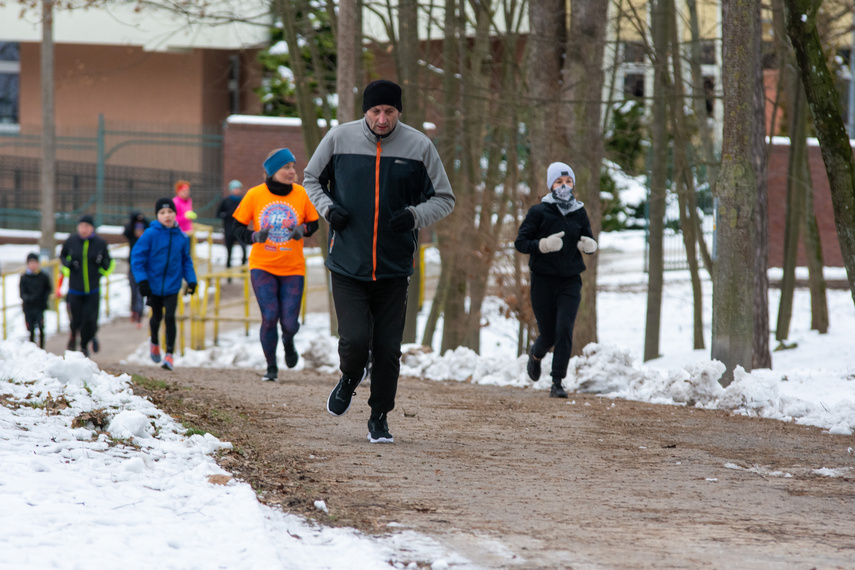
<point>279,255</point>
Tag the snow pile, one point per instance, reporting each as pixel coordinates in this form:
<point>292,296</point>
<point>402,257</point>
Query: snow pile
<point>91,471</point>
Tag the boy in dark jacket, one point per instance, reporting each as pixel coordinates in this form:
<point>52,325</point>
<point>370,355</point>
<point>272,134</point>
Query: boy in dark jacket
<point>133,230</point>
<point>225,211</point>
<point>35,289</point>
<point>556,281</point>
<point>159,261</point>
<point>85,259</point>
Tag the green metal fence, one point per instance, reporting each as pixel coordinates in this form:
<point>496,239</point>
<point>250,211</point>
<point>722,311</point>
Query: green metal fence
<point>108,172</point>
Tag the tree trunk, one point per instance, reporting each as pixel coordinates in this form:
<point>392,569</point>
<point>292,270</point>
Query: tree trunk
<point>699,103</point>
<point>761,357</point>
<point>795,207</point>
<point>408,75</point>
<point>733,276</point>
<point>582,101</point>
<point>690,224</point>
<point>308,116</point>
<point>823,101</point>
<point>346,55</point>
<point>47,242</point>
<point>813,252</point>
<point>658,174</point>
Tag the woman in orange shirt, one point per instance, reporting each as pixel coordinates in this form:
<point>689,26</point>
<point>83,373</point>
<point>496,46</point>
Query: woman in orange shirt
<point>281,213</point>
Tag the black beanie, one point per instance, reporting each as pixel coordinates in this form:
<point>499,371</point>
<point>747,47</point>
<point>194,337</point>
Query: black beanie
<point>32,257</point>
<point>381,92</point>
<point>164,203</point>
<point>86,219</point>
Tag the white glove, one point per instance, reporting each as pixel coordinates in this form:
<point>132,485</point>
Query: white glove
<point>587,245</point>
<point>551,243</point>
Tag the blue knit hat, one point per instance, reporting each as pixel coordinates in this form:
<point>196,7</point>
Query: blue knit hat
<point>234,184</point>
<point>277,159</point>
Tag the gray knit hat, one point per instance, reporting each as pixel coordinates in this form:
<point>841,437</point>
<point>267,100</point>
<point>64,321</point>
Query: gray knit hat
<point>555,171</point>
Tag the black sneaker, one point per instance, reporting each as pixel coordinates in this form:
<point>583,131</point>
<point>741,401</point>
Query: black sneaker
<point>96,346</point>
<point>291,354</point>
<point>341,396</point>
<point>533,366</point>
<point>378,430</point>
<point>272,374</point>
<point>557,390</point>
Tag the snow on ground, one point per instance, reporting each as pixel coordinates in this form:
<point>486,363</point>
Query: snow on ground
<point>143,494</point>
<point>145,487</point>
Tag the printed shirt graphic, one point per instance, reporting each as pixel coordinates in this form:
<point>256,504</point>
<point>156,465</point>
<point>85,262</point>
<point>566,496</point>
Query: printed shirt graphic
<point>279,255</point>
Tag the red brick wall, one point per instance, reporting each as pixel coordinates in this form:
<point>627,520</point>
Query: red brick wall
<point>822,206</point>
<point>247,144</point>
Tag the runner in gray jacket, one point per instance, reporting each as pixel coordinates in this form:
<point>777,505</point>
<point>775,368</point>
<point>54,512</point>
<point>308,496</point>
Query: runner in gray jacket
<point>375,181</point>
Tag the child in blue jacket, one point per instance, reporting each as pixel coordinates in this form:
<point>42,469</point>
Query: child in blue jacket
<point>159,261</point>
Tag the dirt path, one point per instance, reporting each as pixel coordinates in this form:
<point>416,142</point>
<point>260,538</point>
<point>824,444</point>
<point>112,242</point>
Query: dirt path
<point>513,479</point>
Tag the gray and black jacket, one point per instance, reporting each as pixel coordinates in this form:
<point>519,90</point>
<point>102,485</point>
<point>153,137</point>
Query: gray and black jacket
<point>372,178</point>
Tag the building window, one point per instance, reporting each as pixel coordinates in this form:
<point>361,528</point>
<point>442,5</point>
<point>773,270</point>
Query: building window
<point>10,71</point>
<point>633,86</point>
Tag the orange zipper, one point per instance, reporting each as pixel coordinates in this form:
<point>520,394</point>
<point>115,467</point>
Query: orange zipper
<point>376,208</point>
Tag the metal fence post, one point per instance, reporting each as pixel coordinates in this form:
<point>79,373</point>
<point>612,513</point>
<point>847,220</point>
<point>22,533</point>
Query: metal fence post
<point>99,176</point>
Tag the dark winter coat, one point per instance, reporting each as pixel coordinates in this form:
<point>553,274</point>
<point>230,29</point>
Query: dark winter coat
<point>543,220</point>
<point>225,211</point>
<point>372,178</point>
<point>162,257</point>
<point>85,261</point>
<point>35,291</point>
<point>135,218</point>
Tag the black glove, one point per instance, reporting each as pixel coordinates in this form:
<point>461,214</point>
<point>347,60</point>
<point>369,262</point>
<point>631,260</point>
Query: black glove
<point>260,236</point>
<point>298,231</point>
<point>338,218</point>
<point>75,264</point>
<point>145,290</point>
<point>403,221</point>
<point>191,288</point>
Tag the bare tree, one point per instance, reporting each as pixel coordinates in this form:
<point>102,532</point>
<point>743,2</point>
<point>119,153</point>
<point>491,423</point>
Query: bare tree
<point>823,102</point>
<point>736,189</point>
<point>581,96</point>
<point>690,224</point>
<point>658,182</point>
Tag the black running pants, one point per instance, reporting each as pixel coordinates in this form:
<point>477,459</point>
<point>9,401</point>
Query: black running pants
<point>371,314</point>
<point>84,311</point>
<point>163,308</point>
<point>555,302</point>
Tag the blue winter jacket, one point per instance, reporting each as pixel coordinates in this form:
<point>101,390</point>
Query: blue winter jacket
<point>162,257</point>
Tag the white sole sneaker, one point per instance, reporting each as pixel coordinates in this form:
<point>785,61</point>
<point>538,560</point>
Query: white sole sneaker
<point>389,439</point>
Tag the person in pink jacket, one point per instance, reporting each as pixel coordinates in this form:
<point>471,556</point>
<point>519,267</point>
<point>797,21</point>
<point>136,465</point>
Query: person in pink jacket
<point>184,214</point>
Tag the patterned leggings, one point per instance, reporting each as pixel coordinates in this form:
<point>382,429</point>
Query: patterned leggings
<point>279,298</point>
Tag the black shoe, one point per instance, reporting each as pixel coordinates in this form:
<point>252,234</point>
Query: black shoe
<point>341,396</point>
<point>85,352</point>
<point>291,354</point>
<point>72,342</point>
<point>272,374</point>
<point>557,390</point>
<point>96,346</point>
<point>378,429</point>
<point>533,367</point>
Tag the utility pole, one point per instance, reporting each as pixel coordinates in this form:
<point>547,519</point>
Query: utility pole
<point>48,222</point>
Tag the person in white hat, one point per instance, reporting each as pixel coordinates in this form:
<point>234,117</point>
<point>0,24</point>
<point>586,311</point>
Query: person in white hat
<point>555,233</point>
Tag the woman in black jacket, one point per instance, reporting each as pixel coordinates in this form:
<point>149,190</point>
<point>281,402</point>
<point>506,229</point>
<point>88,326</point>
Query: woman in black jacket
<point>133,230</point>
<point>555,233</point>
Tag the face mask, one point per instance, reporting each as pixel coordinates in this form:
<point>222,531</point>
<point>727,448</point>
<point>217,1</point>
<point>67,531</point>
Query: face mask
<point>563,193</point>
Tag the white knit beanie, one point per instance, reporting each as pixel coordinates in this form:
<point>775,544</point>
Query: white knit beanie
<point>557,170</point>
